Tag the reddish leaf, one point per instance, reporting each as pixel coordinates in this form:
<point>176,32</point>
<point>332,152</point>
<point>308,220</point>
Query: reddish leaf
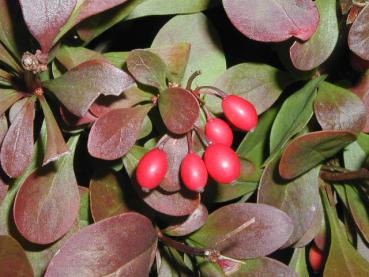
<point>122,245</point>
<point>7,98</point>
<point>176,149</point>
<point>312,53</point>
<point>358,37</point>
<point>245,230</point>
<point>181,203</point>
<point>71,57</point>
<point>352,15</point>
<point>147,68</point>
<point>73,120</point>
<point>273,20</point>
<point>92,7</point>
<point>113,134</point>
<point>55,147</point>
<point>13,259</point>
<point>192,223</point>
<point>107,197</point>
<point>47,203</point>
<point>86,82</point>
<point>362,90</point>
<point>179,109</point>
<point>307,151</point>
<point>16,108</point>
<point>44,18</point>
<point>339,109</point>
<point>16,151</point>
<point>3,190</point>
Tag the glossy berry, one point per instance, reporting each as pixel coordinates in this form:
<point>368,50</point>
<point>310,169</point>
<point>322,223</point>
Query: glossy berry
<point>152,168</point>
<point>316,258</point>
<point>193,172</point>
<point>240,112</point>
<point>222,163</point>
<point>218,131</point>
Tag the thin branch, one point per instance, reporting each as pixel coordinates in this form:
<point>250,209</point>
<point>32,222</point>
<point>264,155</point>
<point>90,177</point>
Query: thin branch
<point>192,78</point>
<point>217,92</point>
<point>361,174</point>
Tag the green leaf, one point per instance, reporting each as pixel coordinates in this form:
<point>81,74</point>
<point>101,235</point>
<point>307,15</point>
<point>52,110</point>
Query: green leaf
<point>70,57</point>
<point>343,259</point>
<point>84,207</point>
<point>312,53</point>
<point>218,193</point>
<point>293,116</point>
<point>339,109</point>
<point>118,59</point>
<point>7,98</point>
<point>261,84</point>
<point>205,45</point>
<point>298,262</point>
<point>307,151</point>
<point>147,68</point>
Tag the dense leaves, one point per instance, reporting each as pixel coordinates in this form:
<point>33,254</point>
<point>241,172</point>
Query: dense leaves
<point>359,33</point>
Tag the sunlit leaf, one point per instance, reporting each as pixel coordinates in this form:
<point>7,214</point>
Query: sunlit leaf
<point>125,246</point>
<point>273,20</point>
<point>86,82</point>
<point>307,151</point>
<point>47,203</point>
<point>359,34</point>
<point>71,57</point>
<point>44,18</point>
<point>7,98</point>
<point>16,151</point>
<point>362,90</point>
<point>179,109</point>
<point>261,84</point>
<point>113,134</point>
<point>312,53</point>
<point>245,230</point>
<point>13,259</point>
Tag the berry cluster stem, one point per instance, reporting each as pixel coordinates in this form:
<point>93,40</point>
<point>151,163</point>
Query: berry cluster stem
<point>217,92</point>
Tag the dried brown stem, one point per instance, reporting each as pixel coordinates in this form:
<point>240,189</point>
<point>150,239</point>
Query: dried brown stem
<point>360,174</point>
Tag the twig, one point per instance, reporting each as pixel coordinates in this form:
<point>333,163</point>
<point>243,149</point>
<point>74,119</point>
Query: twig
<point>361,174</point>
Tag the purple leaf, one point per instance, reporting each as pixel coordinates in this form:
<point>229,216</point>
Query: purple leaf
<point>13,259</point>
<point>16,151</point>
<point>122,245</point>
<point>44,18</point>
<point>113,134</point>
<point>245,230</point>
<point>273,20</point>
<point>358,37</point>
<point>86,82</point>
<point>179,109</point>
<point>47,203</point>
<point>55,147</point>
<point>73,120</point>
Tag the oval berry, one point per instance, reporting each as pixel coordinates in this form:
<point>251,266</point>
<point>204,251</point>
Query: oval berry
<point>193,172</point>
<point>222,163</point>
<point>240,112</point>
<point>218,131</point>
<point>152,168</point>
<point>316,258</point>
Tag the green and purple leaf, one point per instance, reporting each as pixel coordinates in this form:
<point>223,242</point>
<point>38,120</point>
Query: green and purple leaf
<point>45,18</point>
<point>78,88</point>
<point>47,203</point>
<point>3,127</point>
<point>273,20</point>
<point>7,98</point>
<point>17,147</point>
<point>245,230</point>
<point>114,133</point>
<point>179,109</point>
<point>306,151</point>
<point>362,90</point>
<point>358,38</point>
<point>122,245</point>
<point>312,53</point>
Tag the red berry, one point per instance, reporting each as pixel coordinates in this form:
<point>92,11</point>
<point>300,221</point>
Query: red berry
<point>193,172</point>
<point>316,258</point>
<point>240,112</point>
<point>222,163</point>
<point>152,168</point>
<point>218,131</point>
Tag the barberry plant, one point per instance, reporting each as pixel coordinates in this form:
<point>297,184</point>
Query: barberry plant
<point>184,138</point>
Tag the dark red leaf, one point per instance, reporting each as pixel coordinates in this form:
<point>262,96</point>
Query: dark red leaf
<point>339,109</point>
<point>273,20</point>
<point>13,259</point>
<point>47,203</point>
<point>122,245</point>
<point>55,147</point>
<point>307,151</point>
<point>92,7</point>
<point>179,109</point>
<point>44,18</point>
<point>358,38</point>
<point>16,151</point>
<point>73,120</point>
<point>78,88</point>
<point>113,134</point>
<point>245,230</point>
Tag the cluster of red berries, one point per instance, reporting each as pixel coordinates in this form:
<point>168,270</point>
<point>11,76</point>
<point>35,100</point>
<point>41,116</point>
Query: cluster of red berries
<point>220,161</point>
